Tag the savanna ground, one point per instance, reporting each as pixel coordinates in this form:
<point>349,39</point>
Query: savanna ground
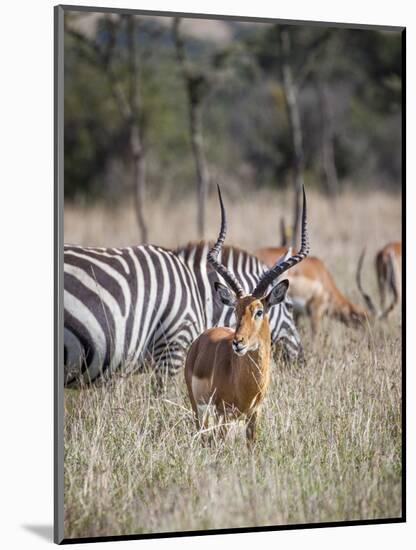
<point>329,446</point>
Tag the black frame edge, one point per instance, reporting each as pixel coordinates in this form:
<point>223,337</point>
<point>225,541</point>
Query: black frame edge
<point>273,528</point>
<point>58,524</point>
<point>404,312</point>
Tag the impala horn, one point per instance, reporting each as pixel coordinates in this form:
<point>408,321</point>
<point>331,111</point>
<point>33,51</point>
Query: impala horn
<point>216,249</point>
<point>282,266</point>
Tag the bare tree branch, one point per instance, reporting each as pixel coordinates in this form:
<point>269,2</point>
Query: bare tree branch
<point>197,85</point>
<point>136,141</point>
<point>295,126</point>
<point>128,104</point>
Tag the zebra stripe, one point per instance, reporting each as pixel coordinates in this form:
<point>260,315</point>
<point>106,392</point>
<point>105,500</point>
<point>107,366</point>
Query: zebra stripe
<point>128,305</point>
<point>124,306</point>
<point>248,270</point>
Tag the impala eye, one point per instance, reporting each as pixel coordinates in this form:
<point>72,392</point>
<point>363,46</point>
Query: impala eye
<point>258,314</point>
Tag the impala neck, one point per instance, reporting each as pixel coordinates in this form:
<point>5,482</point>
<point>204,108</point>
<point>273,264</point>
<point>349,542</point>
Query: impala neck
<point>255,364</point>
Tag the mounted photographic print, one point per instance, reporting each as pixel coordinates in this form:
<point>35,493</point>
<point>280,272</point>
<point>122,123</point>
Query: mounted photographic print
<point>228,348</point>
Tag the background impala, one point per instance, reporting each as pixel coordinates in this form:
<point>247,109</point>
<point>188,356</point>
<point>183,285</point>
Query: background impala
<point>388,266</point>
<point>314,292</point>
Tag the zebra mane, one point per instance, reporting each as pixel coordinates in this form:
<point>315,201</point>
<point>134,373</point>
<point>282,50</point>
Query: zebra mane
<point>199,245</point>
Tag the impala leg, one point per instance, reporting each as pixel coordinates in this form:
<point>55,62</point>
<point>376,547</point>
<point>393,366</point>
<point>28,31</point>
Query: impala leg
<point>196,414</point>
<point>223,423</point>
<point>202,423</point>
<point>251,429</point>
<point>199,409</point>
<point>393,303</point>
<point>223,429</point>
<point>381,280</point>
<point>382,289</point>
<point>315,311</point>
<point>398,284</point>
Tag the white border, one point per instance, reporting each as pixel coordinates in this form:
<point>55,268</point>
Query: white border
<point>26,304</point>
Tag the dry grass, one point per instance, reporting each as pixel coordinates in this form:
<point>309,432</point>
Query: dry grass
<point>329,445</point>
<point>336,235</point>
<point>253,220</point>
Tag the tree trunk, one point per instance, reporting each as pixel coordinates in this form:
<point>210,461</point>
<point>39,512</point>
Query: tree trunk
<point>200,165</point>
<point>295,129</point>
<point>328,157</point>
<point>128,104</point>
<point>136,141</point>
<point>139,180</point>
<point>194,83</point>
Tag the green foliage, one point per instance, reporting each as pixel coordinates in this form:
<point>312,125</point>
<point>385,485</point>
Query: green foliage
<point>93,130</point>
<point>246,131</point>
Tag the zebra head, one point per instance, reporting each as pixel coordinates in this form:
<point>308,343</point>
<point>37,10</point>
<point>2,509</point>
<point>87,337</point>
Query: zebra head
<point>284,333</point>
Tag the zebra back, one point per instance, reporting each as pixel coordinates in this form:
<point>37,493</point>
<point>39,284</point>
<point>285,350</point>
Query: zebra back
<point>125,305</point>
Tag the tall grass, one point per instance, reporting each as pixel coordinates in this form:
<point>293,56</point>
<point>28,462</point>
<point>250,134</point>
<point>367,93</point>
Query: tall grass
<point>329,446</point>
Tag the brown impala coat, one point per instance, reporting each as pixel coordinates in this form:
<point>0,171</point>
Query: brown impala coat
<point>313,290</point>
<point>228,370</point>
<point>216,375</point>
<point>389,274</point>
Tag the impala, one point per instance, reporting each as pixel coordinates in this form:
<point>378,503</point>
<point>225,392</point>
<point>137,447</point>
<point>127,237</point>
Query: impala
<point>314,292</point>
<point>228,371</point>
<point>388,263</point>
<point>389,274</point>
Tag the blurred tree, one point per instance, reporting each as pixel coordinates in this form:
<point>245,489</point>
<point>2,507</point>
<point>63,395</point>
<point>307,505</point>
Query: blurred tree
<point>321,74</point>
<point>283,34</point>
<point>197,86</point>
<point>101,53</point>
<point>133,116</point>
<point>295,66</point>
<point>346,84</point>
<point>327,139</point>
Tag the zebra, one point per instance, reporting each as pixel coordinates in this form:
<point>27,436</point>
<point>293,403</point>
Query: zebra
<point>123,306</point>
<point>248,270</point>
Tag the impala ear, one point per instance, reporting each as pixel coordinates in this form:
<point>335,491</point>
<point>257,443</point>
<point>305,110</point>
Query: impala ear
<point>226,295</point>
<point>277,294</point>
